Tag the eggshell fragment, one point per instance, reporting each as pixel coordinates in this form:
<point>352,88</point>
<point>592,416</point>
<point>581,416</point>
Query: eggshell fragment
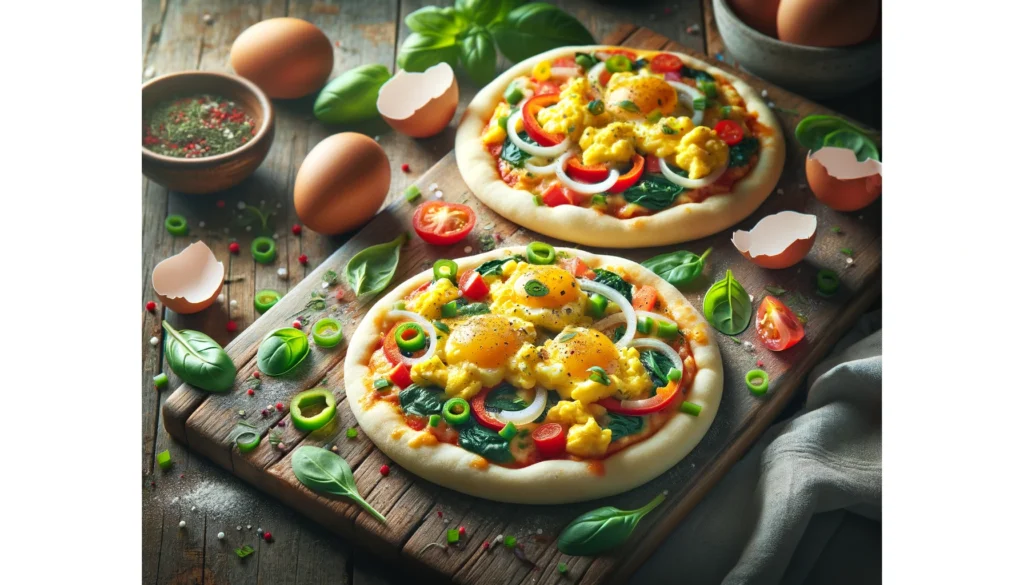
<point>778,241</point>
<point>420,104</point>
<point>190,281</point>
<point>840,181</point>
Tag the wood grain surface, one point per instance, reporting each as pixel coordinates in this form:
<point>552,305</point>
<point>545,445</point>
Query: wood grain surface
<point>175,37</point>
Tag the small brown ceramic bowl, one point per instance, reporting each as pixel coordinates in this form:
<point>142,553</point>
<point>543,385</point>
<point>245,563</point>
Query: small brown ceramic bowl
<point>212,173</point>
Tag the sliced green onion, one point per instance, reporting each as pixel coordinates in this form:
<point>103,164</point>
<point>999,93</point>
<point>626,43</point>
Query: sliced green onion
<point>828,282</point>
<point>757,381</point>
<point>667,329</point>
<point>412,193</point>
<point>690,408</point>
<point>535,288</point>
<point>596,306</point>
<point>247,441</point>
<point>446,269</point>
<point>513,94</point>
<point>265,299</point>
<point>708,88</point>
<point>598,375</point>
<point>617,63</point>
<point>399,306</point>
<point>510,541</point>
<point>596,107</point>
<point>160,381</point>
<point>563,568</point>
<point>449,310</point>
<point>654,116</point>
<point>540,253</point>
<point>700,104</point>
<point>598,200</point>
<point>434,420</point>
<point>503,122</point>
<point>452,535</point>
<point>509,432</point>
<point>586,61</point>
<point>163,459</point>
<point>644,325</point>
<point>381,384</point>
<point>725,111</point>
<point>667,129</point>
<point>176,225</point>
<point>264,250</point>
<point>538,201</point>
<point>352,433</point>
<point>455,411</point>
<point>674,375</point>
<point>327,332</point>
<point>410,344</point>
<point>441,327</point>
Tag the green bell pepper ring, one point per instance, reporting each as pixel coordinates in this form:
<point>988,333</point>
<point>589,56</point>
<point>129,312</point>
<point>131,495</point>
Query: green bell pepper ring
<point>247,441</point>
<point>540,253</point>
<point>306,402</point>
<point>265,299</point>
<point>176,225</point>
<point>446,269</point>
<point>455,411</point>
<point>327,332</point>
<point>757,382</point>
<point>410,337</point>
<point>828,282</point>
<point>264,250</point>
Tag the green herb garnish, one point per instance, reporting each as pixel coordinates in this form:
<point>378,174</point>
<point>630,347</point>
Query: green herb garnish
<point>244,551</point>
<point>535,288</point>
<point>775,290</point>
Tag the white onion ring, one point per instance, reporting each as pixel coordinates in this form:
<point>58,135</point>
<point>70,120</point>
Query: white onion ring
<point>690,183</point>
<point>428,328</point>
<point>528,414</point>
<point>542,170</point>
<point>535,150</point>
<point>613,295</point>
<point>585,188</point>
<point>690,94</point>
<point>594,75</point>
<point>564,72</point>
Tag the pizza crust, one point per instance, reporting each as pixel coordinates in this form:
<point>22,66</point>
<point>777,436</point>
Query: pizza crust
<point>552,481</point>
<point>586,226</point>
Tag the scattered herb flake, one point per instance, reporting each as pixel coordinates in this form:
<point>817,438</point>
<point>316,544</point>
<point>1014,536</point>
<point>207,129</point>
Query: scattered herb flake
<point>775,290</point>
<point>352,433</point>
<point>735,340</point>
<point>330,277</point>
<point>837,230</point>
<point>244,551</point>
<point>847,251</point>
<point>487,243</point>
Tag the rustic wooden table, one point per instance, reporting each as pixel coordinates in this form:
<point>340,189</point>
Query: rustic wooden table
<point>181,35</point>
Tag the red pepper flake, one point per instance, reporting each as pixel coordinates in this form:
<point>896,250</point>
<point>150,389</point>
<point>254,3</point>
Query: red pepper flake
<point>385,470</point>
<point>234,248</point>
<point>280,423</point>
<point>279,406</point>
<point>439,514</point>
<point>297,229</point>
<point>250,392</point>
<point>264,413</point>
<point>150,306</point>
<point>256,374</point>
<point>297,324</point>
<point>760,364</point>
<point>462,531</point>
<point>152,484</point>
<point>303,259</point>
<point>486,545</point>
<point>182,476</point>
<point>231,326</point>
<point>340,295</point>
<point>267,536</point>
<point>405,167</point>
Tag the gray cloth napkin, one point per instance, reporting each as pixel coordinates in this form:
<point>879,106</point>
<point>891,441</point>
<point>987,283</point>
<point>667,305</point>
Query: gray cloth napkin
<point>771,516</point>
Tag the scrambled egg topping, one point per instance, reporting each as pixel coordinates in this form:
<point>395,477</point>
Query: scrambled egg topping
<point>429,302</point>
<point>570,115</point>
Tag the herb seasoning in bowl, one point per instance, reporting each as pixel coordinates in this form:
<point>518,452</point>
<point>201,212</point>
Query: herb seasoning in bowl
<point>203,132</point>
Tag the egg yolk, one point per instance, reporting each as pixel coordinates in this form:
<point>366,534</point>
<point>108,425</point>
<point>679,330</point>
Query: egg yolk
<point>647,93</point>
<point>485,340</point>
<point>547,287</point>
<point>584,350</point>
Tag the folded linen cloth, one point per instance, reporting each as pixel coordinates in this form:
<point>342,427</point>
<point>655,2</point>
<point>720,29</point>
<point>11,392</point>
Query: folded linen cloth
<point>773,513</point>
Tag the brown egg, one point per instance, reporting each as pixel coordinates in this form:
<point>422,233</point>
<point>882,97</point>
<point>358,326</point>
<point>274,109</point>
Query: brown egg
<point>420,104</point>
<point>286,57</point>
<point>826,23</point>
<point>778,241</point>
<point>341,183</point>
<point>759,14</point>
<point>190,281</point>
<point>849,193</point>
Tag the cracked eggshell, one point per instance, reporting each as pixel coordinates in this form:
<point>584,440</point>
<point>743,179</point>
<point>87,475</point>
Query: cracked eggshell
<point>840,181</point>
<point>190,281</point>
<point>778,241</point>
<point>420,104</point>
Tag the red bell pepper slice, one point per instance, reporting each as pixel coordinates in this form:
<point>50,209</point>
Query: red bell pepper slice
<point>629,178</point>
<point>661,400</point>
<point>550,439</point>
<point>480,412</point>
<point>651,165</point>
<point>391,351</point>
<point>585,173</point>
<point>473,286</point>
<point>399,376</point>
<point>532,126</point>
<point>645,298</point>
<point>577,267</point>
<point>557,195</point>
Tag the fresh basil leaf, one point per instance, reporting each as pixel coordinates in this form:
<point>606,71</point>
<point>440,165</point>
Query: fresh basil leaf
<point>478,55</point>
<point>653,192</point>
<point>537,27</point>
<point>741,152</point>
<point>421,51</point>
<point>371,270</point>
<point>657,365</point>
<point>602,529</point>
<point>481,12</point>
<point>511,153</point>
<point>199,360</point>
<point>678,268</point>
<point>421,400</point>
<point>484,442</point>
<point>812,131</point>
<point>861,145</point>
<point>437,21</point>
<point>727,306</point>
<point>352,96</point>
<point>623,425</point>
<point>696,74</point>
<point>494,266</point>
<point>615,281</point>
<point>328,473</point>
<point>282,351</point>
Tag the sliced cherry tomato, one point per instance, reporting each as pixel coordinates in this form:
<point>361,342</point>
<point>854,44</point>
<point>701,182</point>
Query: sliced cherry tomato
<point>629,178</point>
<point>645,298</point>
<point>547,88</point>
<point>777,326</point>
<point>550,439</point>
<point>416,423</point>
<point>441,223</point>
<point>399,376</point>
<point>664,63</point>
<point>585,173</point>
<point>564,62</point>
<point>391,351</point>
<point>473,286</point>
<point>604,54</point>
<point>577,267</point>
<point>418,290</point>
<point>557,195</point>
<point>651,164</point>
<point>480,411</point>
<point>729,131</point>
<point>532,126</point>
<point>661,400</point>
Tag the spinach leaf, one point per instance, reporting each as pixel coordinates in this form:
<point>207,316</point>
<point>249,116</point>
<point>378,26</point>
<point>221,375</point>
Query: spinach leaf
<point>421,400</point>
<point>678,268</point>
<point>618,333</point>
<point>484,442</point>
<point>511,153</point>
<point>478,55</point>
<point>813,131</point>
<point>727,306</point>
<point>653,192</point>
<point>494,266</point>
<point>438,21</point>
<point>615,281</point>
<point>281,351</point>
<point>504,397</point>
<point>198,359</point>
<point>537,27</point>
<point>696,74</point>
<point>623,425</point>
<point>741,152</point>
<point>473,309</point>
<point>602,529</point>
<point>352,96</point>
<point>861,145</point>
<point>421,51</point>
<point>371,270</point>
<point>657,365</point>
<point>328,473</point>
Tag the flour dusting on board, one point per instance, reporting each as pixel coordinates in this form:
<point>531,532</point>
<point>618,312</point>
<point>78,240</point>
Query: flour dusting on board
<point>216,498</point>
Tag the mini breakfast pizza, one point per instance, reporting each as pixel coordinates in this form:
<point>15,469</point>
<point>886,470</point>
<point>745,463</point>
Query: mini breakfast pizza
<point>535,375</point>
<point>622,148</point>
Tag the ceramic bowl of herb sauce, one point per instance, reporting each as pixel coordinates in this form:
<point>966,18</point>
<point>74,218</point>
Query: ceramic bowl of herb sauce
<point>203,132</point>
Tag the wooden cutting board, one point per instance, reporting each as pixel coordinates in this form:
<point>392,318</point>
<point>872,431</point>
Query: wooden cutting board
<point>419,512</point>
